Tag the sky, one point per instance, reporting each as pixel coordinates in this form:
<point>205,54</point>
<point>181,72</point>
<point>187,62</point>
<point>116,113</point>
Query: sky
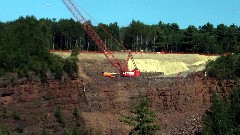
<point>182,12</point>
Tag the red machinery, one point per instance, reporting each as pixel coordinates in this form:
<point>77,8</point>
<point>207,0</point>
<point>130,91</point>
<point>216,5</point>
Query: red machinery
<point>101,45</point>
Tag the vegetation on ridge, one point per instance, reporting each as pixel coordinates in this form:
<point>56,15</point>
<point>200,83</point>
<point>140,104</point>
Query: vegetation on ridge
<point>224,115</point>
<point>24,49</point>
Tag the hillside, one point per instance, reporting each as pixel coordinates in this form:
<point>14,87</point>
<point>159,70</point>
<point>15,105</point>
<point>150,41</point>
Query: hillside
<point>100,101</point>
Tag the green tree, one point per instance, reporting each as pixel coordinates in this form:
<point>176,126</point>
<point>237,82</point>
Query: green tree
<point>75,52</point>
<point>232,41</point>
<point>224,116</point>
<point>70,66</point>
<point>220,119</point>
<point>134,36</point>
<point>225,67</point>
<point>188,38</point>
<point>238,67</point>
<point>235,107</point>
<point>221,35</point>
<point>24,49</point>
<point>142,120</point>
<point>174,38</point>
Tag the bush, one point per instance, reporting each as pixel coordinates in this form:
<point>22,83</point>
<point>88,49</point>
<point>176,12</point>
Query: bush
<point>44,131</point>
<point>3,113</point>
<point>17,115</point>
<point>75,52</point>
<point>76,116</point>
<point>59,116</point>
<point>143,118</point>
<point>75,131</point>
<point>56,66</point>
<point>19,130</point>
<point>48,97</point>
<point>70,66</point>
<point>4,130</point>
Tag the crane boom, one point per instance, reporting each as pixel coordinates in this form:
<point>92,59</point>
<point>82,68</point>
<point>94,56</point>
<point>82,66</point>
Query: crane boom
<point>99,42</point>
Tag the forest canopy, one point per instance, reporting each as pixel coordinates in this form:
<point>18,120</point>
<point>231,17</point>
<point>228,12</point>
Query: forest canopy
<point>66,34</point>
<point>24,49</point>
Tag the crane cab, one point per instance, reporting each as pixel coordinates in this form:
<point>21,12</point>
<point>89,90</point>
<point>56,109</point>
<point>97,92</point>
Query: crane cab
<point>134,72</point>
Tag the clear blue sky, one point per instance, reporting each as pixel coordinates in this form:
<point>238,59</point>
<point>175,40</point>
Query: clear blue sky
<point>182,12</point>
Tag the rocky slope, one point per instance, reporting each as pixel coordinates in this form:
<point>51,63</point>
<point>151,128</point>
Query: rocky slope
<point>178,102</point>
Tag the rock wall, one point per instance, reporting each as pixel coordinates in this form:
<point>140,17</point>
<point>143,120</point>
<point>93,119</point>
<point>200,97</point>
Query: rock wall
<point>179,102</point>
<point>176,101</point>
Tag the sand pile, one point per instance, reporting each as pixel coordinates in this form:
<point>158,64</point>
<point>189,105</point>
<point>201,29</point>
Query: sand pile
<point>171,64</point>
<point>150,65</point>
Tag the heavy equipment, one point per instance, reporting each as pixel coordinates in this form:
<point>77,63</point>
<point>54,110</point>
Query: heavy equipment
<point>123,69</point>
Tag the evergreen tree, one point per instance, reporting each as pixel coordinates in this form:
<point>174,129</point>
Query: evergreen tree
<point>235,109</point>
<point>220,119</point>
<point>225,67</point>
<point>142,120</point>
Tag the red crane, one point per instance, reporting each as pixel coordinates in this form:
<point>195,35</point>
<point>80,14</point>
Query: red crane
<point>123,69</point>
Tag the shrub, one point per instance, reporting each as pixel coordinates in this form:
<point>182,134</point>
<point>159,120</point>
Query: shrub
<point>3,113</point>
<point>70,66</point>
<point>75,131</point>
<point>76,116</point>
<point>48,97</point>
<point>59,116</point>
<point>17,115</point>
<point>19,130</point>
<point>65,132</point>
<point>75,52</point>
<point>143,118</point>
<point>44,131</point>
<point>4,130</point>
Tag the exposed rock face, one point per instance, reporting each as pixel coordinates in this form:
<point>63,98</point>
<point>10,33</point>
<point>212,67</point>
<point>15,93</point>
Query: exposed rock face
<point>179,102</point>
<point>176,100</point>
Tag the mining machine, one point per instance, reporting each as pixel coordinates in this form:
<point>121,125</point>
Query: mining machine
<point>122,68</point>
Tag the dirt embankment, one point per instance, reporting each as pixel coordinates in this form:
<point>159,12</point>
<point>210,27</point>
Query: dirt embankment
<point>179,103</point>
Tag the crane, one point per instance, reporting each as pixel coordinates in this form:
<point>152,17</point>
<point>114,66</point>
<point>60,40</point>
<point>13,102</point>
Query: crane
<point>123,69</point>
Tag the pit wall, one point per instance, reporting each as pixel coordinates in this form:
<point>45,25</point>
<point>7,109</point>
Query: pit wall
<point>175,100</point>
<point>102,102</point>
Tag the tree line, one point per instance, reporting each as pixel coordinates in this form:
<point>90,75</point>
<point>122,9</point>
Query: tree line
<point>66,34</point>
